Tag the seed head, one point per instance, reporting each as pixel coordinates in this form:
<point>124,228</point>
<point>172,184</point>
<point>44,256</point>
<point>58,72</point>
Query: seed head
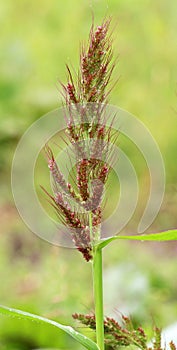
<point>85,100</point>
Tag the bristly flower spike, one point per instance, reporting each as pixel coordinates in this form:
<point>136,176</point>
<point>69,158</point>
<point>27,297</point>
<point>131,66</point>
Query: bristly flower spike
<point>85,96</point>
<point>124,333</point>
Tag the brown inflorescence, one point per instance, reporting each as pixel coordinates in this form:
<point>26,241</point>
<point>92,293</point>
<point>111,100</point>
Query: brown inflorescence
<point>85,101</point>
<point>124,333</point>
<point>95,70</point>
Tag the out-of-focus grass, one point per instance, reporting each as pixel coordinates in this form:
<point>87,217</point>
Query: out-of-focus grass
<point>37,39</point>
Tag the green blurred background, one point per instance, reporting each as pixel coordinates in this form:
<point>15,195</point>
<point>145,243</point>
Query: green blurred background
<point>37,39</point>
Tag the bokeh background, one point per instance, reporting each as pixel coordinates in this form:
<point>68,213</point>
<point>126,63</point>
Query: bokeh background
<point>37,39</point>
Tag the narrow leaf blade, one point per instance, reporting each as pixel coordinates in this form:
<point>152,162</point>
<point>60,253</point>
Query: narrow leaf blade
<point>80,338</point>
<point>170,235</point>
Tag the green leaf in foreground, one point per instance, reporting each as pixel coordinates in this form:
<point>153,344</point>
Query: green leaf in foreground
<point>170,235</point>
<point>80,338</point>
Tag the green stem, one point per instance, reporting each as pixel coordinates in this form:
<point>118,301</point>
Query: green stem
<point>98,296</point>
<point>91,229</point>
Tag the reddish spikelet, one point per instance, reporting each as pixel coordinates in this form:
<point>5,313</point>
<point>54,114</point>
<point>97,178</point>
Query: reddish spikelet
<point>103,173</point>
<point>80,232</point>
<point>88,320</point>
<point>101,145</point>
<point>58,177</point>
<point>82,178</point>
<point>112,325</point>
<point>83,243</point>
<point>95,73</point>
<point>70,216</point>
<point>72,131</point>
<point>71,92</point>
<point>141,332</point>
<point>96,217</point>
<point>97,191</point>
<point>94,64</point>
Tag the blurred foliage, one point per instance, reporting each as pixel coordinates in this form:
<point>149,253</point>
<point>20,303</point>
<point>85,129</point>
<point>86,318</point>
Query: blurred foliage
<point>37,39</point>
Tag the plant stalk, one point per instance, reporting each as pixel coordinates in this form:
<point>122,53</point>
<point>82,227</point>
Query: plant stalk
<point>98,296</point>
